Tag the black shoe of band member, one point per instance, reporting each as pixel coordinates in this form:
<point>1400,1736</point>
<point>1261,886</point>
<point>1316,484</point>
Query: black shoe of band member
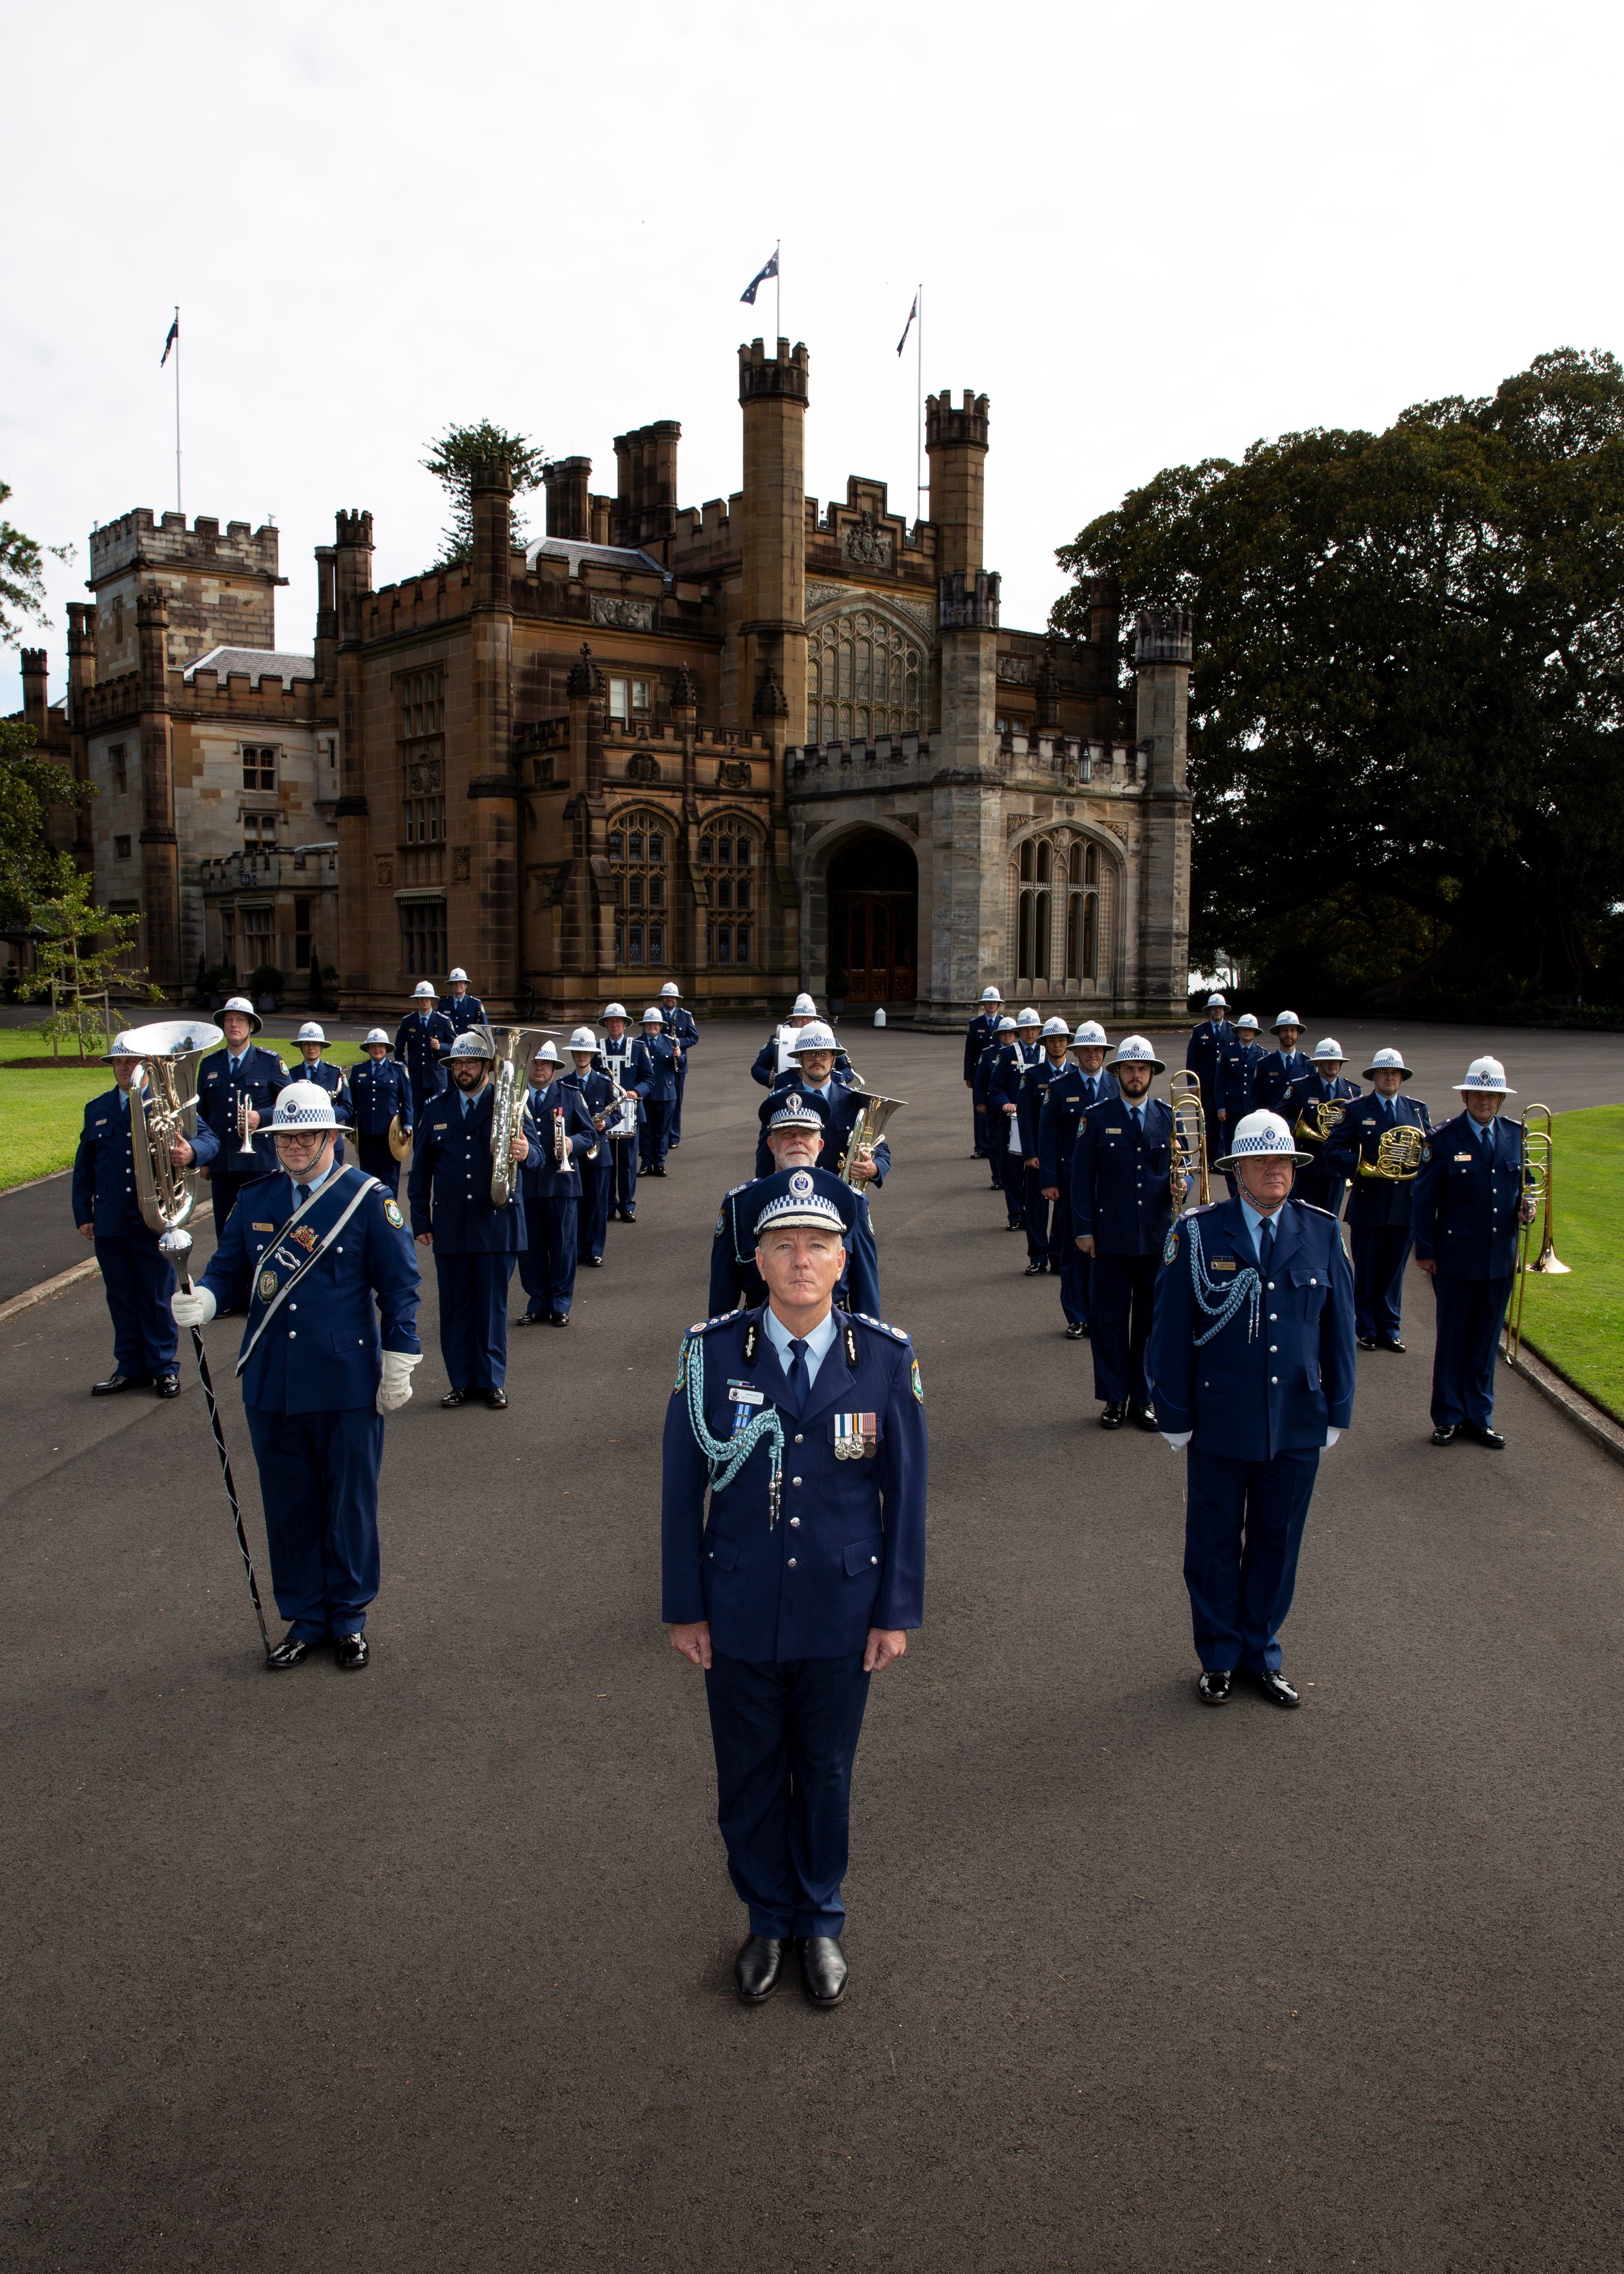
<point>117,1382</point>
<point>458,1397</point>
<point>1037,1267</point>
<point>759,1967</point>
<point>350,1652</point>
<point>1277,1690</point>
<point>1480,1435</point>
<point>559,1319</point>
<point>290,1651</point>
<point>1213,1689</point>
<point>531,1319</point>
<point>1394,1344</point>
<point>1368,1341</point>
<point>167,1385</point>
<point>1145,1416</point>
<point>822,1968</point>
<point>1075,1330</point>
<point>1445,1433</point>
<point>1112,1416</point>
<point>593,1262</point>
<point>496,1400</point>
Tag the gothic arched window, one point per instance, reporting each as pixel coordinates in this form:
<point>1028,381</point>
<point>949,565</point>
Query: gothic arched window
<point>1035,907</point>
<point>730,858</point>
<point>864,674</point>
<point>640,851</point>
<point>1083,915</point>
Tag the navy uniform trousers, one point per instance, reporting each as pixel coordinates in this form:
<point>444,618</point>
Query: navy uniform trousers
<point>378,1160</point>
<point>139,1282</point>
<point>326,1571</point>
<point>1122,1296</point>
<point>1471,1315</point>
<point>597,1181</point>
<point>622,1178</point>
<point>1238,1608</point>
<point>473,1316</point>
<point>547,1263</point>
<point>1378,1260</point>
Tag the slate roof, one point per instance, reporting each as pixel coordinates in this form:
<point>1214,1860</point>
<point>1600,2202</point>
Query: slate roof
<point>256,661</point>
<point>629,559</point>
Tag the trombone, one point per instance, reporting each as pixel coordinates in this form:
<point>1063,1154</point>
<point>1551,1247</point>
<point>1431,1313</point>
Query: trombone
<point>1188,1178</point>
<point>1539,1166</point>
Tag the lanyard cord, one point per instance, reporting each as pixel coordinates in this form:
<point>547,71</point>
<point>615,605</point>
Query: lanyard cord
<point>725,1459</point>
<point>1246,1287</point>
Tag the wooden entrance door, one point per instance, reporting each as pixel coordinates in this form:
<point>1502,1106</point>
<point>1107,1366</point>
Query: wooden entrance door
<point>874,943</point>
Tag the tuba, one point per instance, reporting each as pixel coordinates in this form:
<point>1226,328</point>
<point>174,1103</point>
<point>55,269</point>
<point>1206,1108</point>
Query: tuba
<point>1539,1166</point>
<point>1398,1155</point>
<point>1187,1171</point>
<point>169,1051</point>
<point>510,1079</point>
<point>866,1131</point>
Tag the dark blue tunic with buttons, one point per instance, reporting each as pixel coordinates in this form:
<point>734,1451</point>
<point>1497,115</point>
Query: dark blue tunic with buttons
<point>1467,1200</point>
<point>136,1278</point>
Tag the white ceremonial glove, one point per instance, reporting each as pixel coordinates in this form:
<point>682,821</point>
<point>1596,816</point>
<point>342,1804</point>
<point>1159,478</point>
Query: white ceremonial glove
<point>394,1389</point>
<point>1175,1440</point>
<point>1331,1436</point>
<point>195,1309</point>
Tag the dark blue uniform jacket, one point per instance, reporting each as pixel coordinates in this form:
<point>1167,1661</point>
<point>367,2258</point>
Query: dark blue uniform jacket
<point>654,1070</point>
<point>321,1351</point>
<point>1010,1070</point>
<point>1375,1203</point>
<point>462,1012</point>
<point>1210,1044</point>
<point>422,1046</point>
<point>734,1279</point>
<point>1274,1376</point>
<point>1120,1195</point>
<point>331,1079</point>
<point>451,1167</point>
<point>377,1094</point>
<point>104,1168</point>
<point>1239,1072</point>
<point>261,1078</point>
<point>981,1031</point>
<point>1029,1102</point>
<point>1280,1078</point>
<point>680,1029</point>
<point>838,1112</point>
<point>847,1552</point>
<point>1467,1199</point>
<point>592,1088</point>
<point>539,1179</point>
<point>1065,1101</point>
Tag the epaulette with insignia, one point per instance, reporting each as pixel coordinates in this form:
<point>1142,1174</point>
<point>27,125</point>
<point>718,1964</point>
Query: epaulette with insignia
<point>898,1334</point>
<point>1312,1207</point>
<point>704,1326</point>
<point>733,1191</point>
<point>1206,1208</point>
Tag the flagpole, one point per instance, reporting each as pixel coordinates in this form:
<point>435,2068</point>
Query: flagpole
<point>919,420</point>
<point>179,507</point>
<point>777,294</point>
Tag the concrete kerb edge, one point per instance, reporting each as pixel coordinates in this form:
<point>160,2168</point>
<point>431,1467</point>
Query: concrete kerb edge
<point>1600,1427</point>
<point>64,1280</point>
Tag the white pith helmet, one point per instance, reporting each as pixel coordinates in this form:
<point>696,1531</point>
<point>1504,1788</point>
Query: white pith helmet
<point>1329,1049</point>
<point>375,1034</point>
<point>459,973</point>
<point>1247,1019</point>
<point>424,987</point>
<point>614,1010</point>
<point>991,995</point>
<point>310,1032</point>
<point>473,1045</point>
<point>803,1007</point>
<point>304,1105</point>
<point>1387,1061</point>
<point>124,1047</point>
<point>1006,1025</point>
<point>583,1039</point>
<point>546,1053</point>
<point>1217,1002</point>
<point>1056,1027</point>
<point>817,1036</point>
<point>1260,1133</point>
<point>1089,1036</point>
<point>1028,1018</point>
<point>654,1016</point>
<point>1286,1018</point>
<point>1485,1074</point>
<point>671,989</point>
<point>241,1003</point>
<point>1133,1050</point>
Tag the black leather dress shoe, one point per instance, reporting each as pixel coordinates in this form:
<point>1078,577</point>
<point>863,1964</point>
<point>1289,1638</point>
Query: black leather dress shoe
<point>288,1652</point>
<point>1479,1435</point>
<point>628,1216</point>
<point>457,1397</point>
<point>117,1382</point>
<point>167,1385</point>
<point>1074,1331</point>
<point>1368,1341</point>
<point>531,1319</point>
<point>496,1400</point>
<point>593,1262</point>
<point>1112,1417</point>
<point>1145,1415</point>
<point>350,1652</point>
<point>1213,1689</point>
<point>1277,1690</point>
<point>1394,1344</point>
<point>758,1966</point>
<point>1037,1267</point>
<point>559,1319</point>
<point>1445,1433</point>
<point>822,1968</point>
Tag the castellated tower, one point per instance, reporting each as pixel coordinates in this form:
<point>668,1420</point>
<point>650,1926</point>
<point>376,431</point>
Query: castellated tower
<point>352,581</point>
<point>772,628</point>
<point>159,853</point>
<point>494,789</point>
<point>1164,642</point>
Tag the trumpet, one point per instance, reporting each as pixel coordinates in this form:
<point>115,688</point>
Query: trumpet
<point>866,1131</point>
<point>1538,1184</point>
<point>1398,1155</point>
<point>1188,1178</point>
<point>166,1192</point>
<point>247,1156</point>
<point>510,1079</point>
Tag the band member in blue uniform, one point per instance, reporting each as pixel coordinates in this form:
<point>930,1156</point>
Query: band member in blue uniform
<point>806,1427</point>
<point>552,1191</point>
<point>979,1033</point>
<point>1210,1042</point>
<point>243,1073</point>
<point>1122,1203</point>
<point>655,1061</point>
<point>618,1050</point>
<point>1381,1198</point>
<point>592,1085</point>
<point>995,1123</point>
<point>1011,1069</point>
<point>1073,1089</point>
<point>1284,1070</point>
<point>475,1244</point>
<point>681,1030</point>
<point>460,1008</point>
<point>321,1255</point>
<point>1323,1182</point>
<point>378,1090</point>
<point>1470,1201</point>
<point>773,1064</point>
<point>1239,1071</point>
<point>135,1278</point>
<point>312,1040</point>
<point>796,1134</point>
<point>423,1045</point>
<point>1044,1253</point>
<point>1252,1366</point>
<point>817,1080</point>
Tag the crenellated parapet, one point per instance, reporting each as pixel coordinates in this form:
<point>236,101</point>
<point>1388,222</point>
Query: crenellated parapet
<point>1163,635</point>
<point>140,539</point>
<point>969,602</point>
<point>785,375</point>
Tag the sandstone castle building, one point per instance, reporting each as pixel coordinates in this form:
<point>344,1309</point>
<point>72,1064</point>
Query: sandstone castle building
<point>754,745</point>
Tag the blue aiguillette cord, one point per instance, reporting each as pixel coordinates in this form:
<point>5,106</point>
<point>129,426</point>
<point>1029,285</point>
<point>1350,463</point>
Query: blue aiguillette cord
<point>725,1460</point>
<point>1246,1286</point>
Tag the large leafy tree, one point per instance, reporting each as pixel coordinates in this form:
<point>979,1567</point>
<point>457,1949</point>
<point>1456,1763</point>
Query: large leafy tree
<point>30,785</point>
<point>454,455</point>
<point>22,582</point>
<point>1407,708</point>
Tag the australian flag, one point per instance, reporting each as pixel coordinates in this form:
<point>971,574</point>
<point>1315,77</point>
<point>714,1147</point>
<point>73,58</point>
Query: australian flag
<point>760,278</point>
<point>173,340</point>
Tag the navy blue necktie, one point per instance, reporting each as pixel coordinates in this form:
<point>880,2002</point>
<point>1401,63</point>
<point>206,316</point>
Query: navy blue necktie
<point>304,1193</point>
<point>799,1380</point>
<point>1088,1087</point>
<point>1266,1248</point>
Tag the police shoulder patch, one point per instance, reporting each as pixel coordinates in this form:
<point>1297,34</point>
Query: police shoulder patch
<point>1169,1253</point>
<point>281,1067</point>
<point>681,1381</point>
<point>391,1215</point>
<point>919,1387</point>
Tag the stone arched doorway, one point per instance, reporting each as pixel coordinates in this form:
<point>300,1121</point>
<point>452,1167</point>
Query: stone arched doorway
<point>873,920</point>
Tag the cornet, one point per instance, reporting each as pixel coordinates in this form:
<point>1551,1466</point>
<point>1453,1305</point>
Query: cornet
<point>247,1156</point>
<point>169,1049</point>
<point>1187,1173</point>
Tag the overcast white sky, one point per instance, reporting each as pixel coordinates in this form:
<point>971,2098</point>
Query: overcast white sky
<point>1149,233</point>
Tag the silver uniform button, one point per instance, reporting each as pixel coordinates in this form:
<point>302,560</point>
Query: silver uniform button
<point>1274,1378</point>
<point>799,1439</point>
<point>794,1481</point>
<point>293,1333</point>
<point>792,1563</point>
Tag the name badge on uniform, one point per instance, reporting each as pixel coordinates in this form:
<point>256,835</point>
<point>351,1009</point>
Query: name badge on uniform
<point>1468,1158</point>
<point>745,1393</point>
<point>855,1435</point>
<point>265,1227</point>
<point>1113,1133</point>
<point>1221,1263</point>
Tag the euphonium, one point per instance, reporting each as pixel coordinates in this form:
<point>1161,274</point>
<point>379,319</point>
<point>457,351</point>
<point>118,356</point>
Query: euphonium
<point>1187,1171</point>
<point>169,1052</point>
<point>510,1079</point>
<point>1538,1185</point>
<point>866,1131</point>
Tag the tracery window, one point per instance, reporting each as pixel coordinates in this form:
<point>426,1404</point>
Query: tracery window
<point>1036,909</point>
<point>639,850</point>
<point>1083,915</point>
<point>729,855</point>
<point>1061,892</point>
<point>863,678</point>
<point>422,697</point>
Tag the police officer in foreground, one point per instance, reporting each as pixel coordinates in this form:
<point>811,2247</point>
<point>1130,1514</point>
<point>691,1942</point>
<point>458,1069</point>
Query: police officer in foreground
<point>1324,1181</point>
<point>378,1090</point>
<point>681,1030</point>
<point>241,1074</point>
<point>462,1008</point>
<point>591,1084</point>
<point>1251,1367</point>
<point>312,1040</point>
<point>979,1033</point>
<point>1470,1201</point>
<point>136,1278</point>
<point>1380,1201</point>
<point>1285,1069</point>
<point>618,1050</point>
<point>795,1135</point>
<point>475,1244</point>
<point>1210,1044</point>
<point>817,1080</point>
<point>552,1191</point>
<point>1122,1204</point>
<point>655,1061</point>
<point>805,1428</point>
<point>1070,1094</point>
<point>321,1255</point>
<point>423,1045</point>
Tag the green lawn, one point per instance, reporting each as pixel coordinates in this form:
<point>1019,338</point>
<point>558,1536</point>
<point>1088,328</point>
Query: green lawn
<point>1577,1322</point>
